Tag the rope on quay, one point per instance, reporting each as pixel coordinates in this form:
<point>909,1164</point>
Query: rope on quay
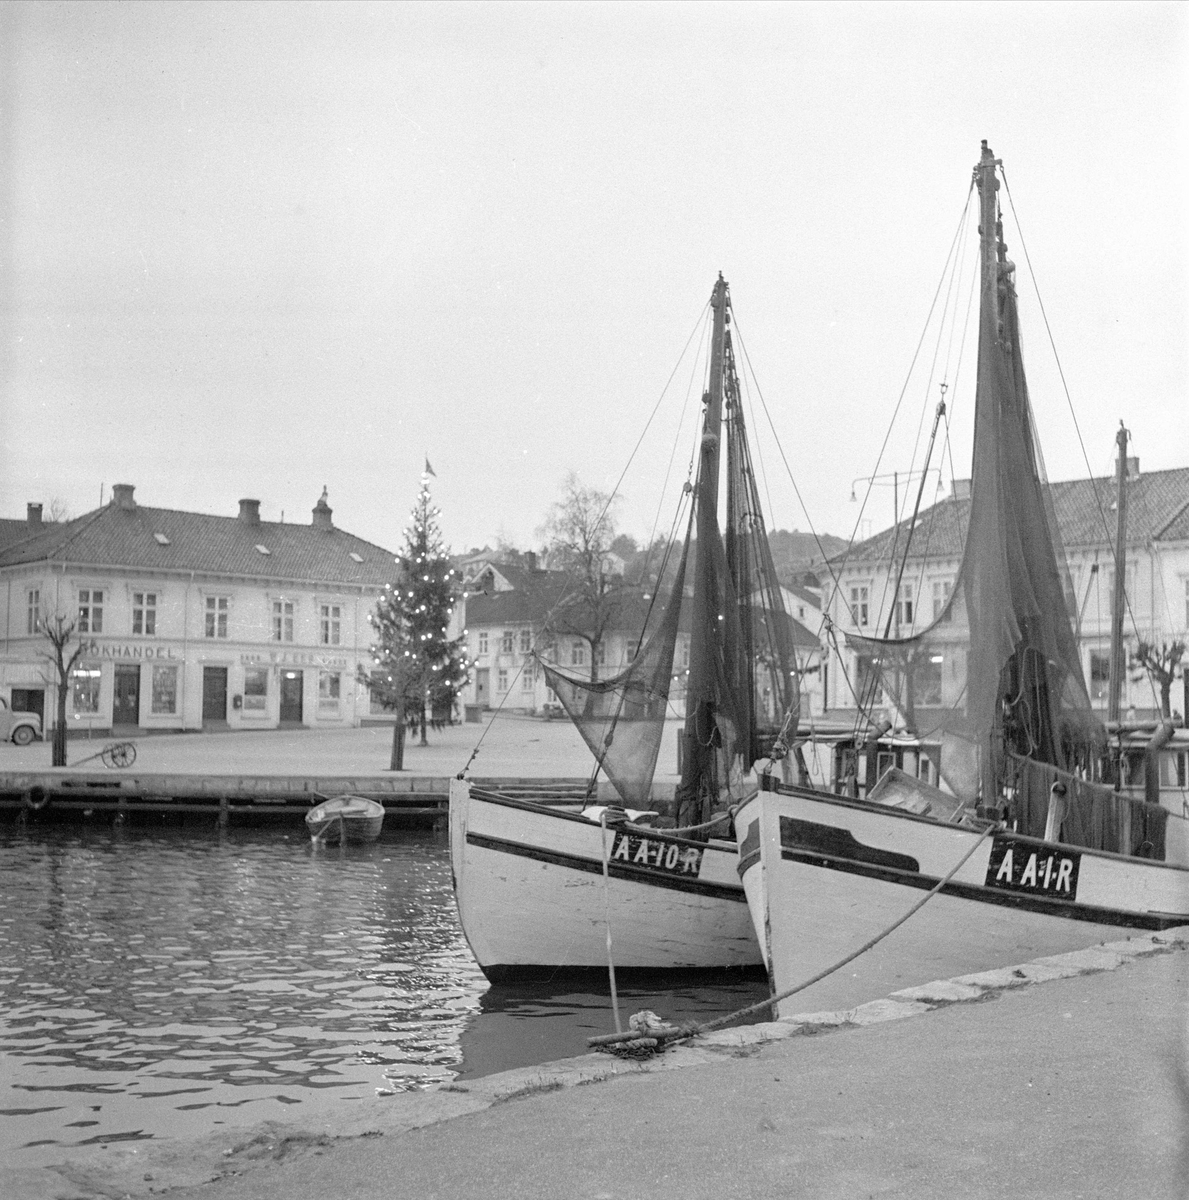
<point>669,1035</point>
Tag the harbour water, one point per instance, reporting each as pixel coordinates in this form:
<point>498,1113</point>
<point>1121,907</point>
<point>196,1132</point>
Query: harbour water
<point>165,983</point>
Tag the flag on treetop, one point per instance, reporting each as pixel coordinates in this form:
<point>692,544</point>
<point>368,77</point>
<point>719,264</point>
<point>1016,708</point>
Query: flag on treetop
<point>429,470</point>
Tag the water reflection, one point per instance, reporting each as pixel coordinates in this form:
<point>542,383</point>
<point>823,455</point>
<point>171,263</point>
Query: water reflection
<point>163,983</point>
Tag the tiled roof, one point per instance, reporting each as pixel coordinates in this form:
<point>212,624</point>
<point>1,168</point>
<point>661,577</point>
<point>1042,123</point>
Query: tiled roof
<point>1157,509</point>
<point>163,539</point>
<point>12,531</point>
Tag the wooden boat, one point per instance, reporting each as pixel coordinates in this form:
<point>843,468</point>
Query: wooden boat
<point>345,819</point>
<point>1058,858</point>
<point>532,894</point>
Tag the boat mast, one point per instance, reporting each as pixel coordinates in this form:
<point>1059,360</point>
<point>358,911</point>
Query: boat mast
<point>1119,597</point>
<point>699,716</point>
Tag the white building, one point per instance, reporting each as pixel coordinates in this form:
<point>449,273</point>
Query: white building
<point>1157,580</point>
<point>191,621</point>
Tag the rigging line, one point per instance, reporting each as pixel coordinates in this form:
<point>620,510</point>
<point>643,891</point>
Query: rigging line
<point>908,375</point>
<point>1053,345</point>
<point>770,1003</point>
<point>751,405</point>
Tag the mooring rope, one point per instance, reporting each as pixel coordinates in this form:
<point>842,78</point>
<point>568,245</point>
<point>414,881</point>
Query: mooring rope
<point>607,919</point>
<point>685,1032</point>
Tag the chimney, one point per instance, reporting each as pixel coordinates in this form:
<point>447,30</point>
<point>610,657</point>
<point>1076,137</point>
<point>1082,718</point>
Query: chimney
<point>961,489</point>
<point>121,496</point>
<point>33,516</point>
<point>249,512</point>
<point>530,558</point>
<point>1132,469</point>
<point>322,512</point>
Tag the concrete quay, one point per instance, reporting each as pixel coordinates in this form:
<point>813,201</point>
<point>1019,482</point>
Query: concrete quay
<point>1064,1077</point>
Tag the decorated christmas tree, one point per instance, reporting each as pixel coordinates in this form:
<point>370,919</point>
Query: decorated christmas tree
<point>419,669</point>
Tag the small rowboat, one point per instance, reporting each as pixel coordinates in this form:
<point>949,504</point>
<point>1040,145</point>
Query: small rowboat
<point>345,819</point>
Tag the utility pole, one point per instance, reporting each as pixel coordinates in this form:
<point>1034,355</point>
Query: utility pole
<point>1119,596</point>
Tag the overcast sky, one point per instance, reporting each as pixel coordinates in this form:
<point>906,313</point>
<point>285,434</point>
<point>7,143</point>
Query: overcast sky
<point>252,250</point>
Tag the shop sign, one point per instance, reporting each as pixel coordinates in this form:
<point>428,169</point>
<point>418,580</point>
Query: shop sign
<point>94,649</point>
<point>298,658</point>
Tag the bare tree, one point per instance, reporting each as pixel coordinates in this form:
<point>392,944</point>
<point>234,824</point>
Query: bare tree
<point>1161,666</point>
<point>58,631</point>
<point>579,533</point>
<point>57,513</point>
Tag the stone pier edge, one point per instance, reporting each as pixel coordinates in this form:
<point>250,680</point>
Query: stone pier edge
<point>141,1170</point>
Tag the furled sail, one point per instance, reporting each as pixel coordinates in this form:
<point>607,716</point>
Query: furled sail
<point>740,681</point>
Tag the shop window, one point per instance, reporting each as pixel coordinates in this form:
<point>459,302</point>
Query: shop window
<point>33,614</point>
<point>216,616</point>
<point>144,613</point>
<point>331,624</point>
<point>329,690</point>
<point>377,693</point>
<point>90,610</point>
<point>84,690</point>
<point>255,689</point>
<point>282,620</point>
<point>165,689</point>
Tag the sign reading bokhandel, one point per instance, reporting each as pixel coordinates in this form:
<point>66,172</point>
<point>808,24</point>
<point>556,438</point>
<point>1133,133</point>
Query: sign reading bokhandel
<point>1020,866</point>
<point>94,649</point>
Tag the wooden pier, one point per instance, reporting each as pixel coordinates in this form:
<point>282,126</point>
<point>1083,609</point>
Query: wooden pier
<point>408,800</point>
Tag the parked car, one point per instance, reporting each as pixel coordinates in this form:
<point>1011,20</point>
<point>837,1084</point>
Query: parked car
<point>18,727</point>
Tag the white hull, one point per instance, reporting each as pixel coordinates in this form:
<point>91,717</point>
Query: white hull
<point>532,897</point>
<point>837,872</point>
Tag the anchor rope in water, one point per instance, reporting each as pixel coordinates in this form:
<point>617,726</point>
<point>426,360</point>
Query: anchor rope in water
<point>685,1032</point>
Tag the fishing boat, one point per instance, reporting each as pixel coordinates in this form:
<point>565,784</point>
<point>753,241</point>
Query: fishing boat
<point>1027,845</point>
<point>541,891</point>
<point>344,819</point>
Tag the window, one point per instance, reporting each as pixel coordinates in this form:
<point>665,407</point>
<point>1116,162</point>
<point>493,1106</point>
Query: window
<point>165,689</point>
<point>904,605</point>
<point>1128,586</point>
<point>482,641</point>
<point>282,620</point>
<point>867,680</point>
<point>502,679</point>
<point>216,616</point>
<point>144,615</point>
<point>927,680</point>
<point>84,690</point>
<point>506,642</point>
<point>577,654</point>
<point>526,681</point>
<point>331,624</point>
<point>858,605</point>
<point>526,640</point>
<point>329,690</point>
<point>255,689</point>
<point>90,610</point>
<point>1100,675</point>
<point>685,654</point>
<point>33,618</point>
<point>941,596</point>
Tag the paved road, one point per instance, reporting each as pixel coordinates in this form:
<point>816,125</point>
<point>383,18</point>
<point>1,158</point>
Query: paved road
<point>1074,1087</point>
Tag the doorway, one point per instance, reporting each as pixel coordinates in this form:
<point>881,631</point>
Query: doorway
<point>482,686</point>
<point>125,708</point>
<point>291,689</point>
<point>214,695</point>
